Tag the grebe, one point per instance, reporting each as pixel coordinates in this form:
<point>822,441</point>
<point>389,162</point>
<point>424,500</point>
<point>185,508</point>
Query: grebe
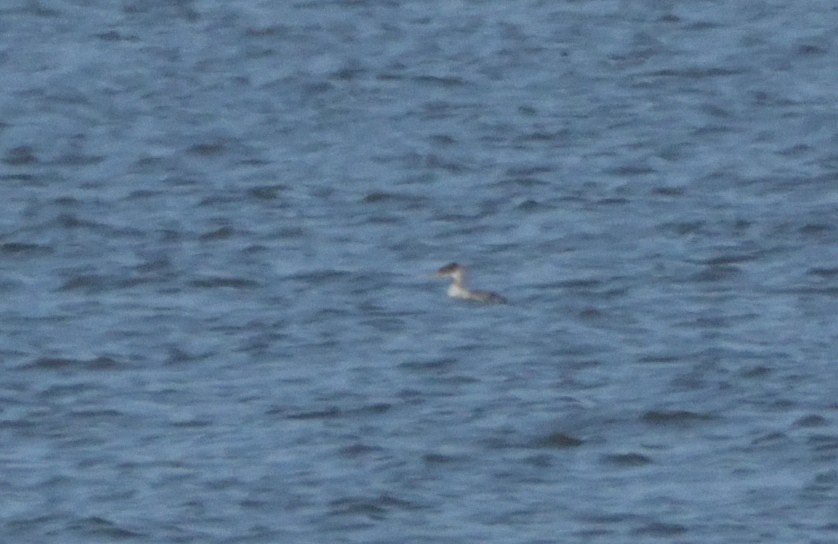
<point>458,288</point>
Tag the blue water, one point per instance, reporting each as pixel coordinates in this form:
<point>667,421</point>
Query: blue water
<point>218,223</point>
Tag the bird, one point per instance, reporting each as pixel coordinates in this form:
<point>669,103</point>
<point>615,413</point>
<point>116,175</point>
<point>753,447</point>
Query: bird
<point>458,288</point>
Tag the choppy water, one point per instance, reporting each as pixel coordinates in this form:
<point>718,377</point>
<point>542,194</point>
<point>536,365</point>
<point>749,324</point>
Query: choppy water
<point>217,222</point>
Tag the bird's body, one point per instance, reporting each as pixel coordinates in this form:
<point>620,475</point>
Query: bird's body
<point>458,288</point>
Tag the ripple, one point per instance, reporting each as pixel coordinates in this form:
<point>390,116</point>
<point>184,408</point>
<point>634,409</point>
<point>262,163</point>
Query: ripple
<point>327,413</point>
<point>718,273</point>
<point>24,249</point>
<point>627,459</point>
<point>674,417</point>
<point>359,450</point>
<point>372,507</point>
<point>23,155</point>
<point>224,282</point>
<point>559,441</point>
<point>222,233</point>
<point>266,192</point>
<point>660,529</point>
<point>96,526</point>
<point>809,421</point>
<point>823,272</point>
<point>60,363</point>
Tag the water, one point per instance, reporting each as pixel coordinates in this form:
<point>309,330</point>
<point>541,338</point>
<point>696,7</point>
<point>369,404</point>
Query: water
<point>217,223</point>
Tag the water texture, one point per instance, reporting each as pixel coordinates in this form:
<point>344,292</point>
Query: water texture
<point>218,222</point>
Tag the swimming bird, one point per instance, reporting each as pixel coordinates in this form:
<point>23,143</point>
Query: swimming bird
<point>458,288</point>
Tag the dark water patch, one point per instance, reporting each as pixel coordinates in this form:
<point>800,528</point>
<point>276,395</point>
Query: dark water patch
<point>348,73</point>
<point>630,170</point>
<point>439,81</point>
<point>376,408</point>
<point>660,530</point>
<point>722,260</point>
<point>795,150</point>
<point>683,228</point>
<point>78,97</point>
<point>178,356</point>
<point>695,73</point>
<point>558,440</point>
<point>77,160</point>
<point>27,524</point>
<point>222,282</point>
<point>824,482</point>
<point>24,249</point>
<point>96,526</point>
<point>524,182</point>
<point>674,417</point>
<point>770,439</point>
<point>412,396</point>
<point>607,519</point>
<point>290,233</point>
<point>193,423</point>
<point>61,363</point>
<point>443,140</point>
<point>115,36</point>
<point>319,277</point>
<point>758,371</point>
<point>381,219</point>
<point>591,314</point>
<point>89,282</point>
<point>72,221</point>
<point>266,192</point>
<point>26,180</point>
<point>154,266</point>
<point>718,273</point>
<point>626,460</point>
<point>144,194</point>
<point>828,272</point>
<point>433,365</point>
<point>222,233</point>
<point>668,191</point>
<point>97,283</point>
<point>375,508</point>
<point>22,155</point>
<point>268,31</point>
<point>328,413</point>
<point>530,205</point>
<point>438,459</point>
<point>540,461</point>
<point>436,162</point>
<point>815,229</point>
<point>97,414</point>
<point>715,322</point>
<point>815,291</point>
<point>610,201</point>
<point>206,149</point>
<point>810,50</point>
<point>103,363</point>
<point>541,136</point>
<point>379,197</point>
<point>810,421</point>
<point>660,358</point>
<point>221,199</point>
<point>386,324</point>
<point>824,443</point>
<point>580,284</point>
<point>711,130</point>
<point>527,172</point>
<point>254,249</point>
<point>359,450</point>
